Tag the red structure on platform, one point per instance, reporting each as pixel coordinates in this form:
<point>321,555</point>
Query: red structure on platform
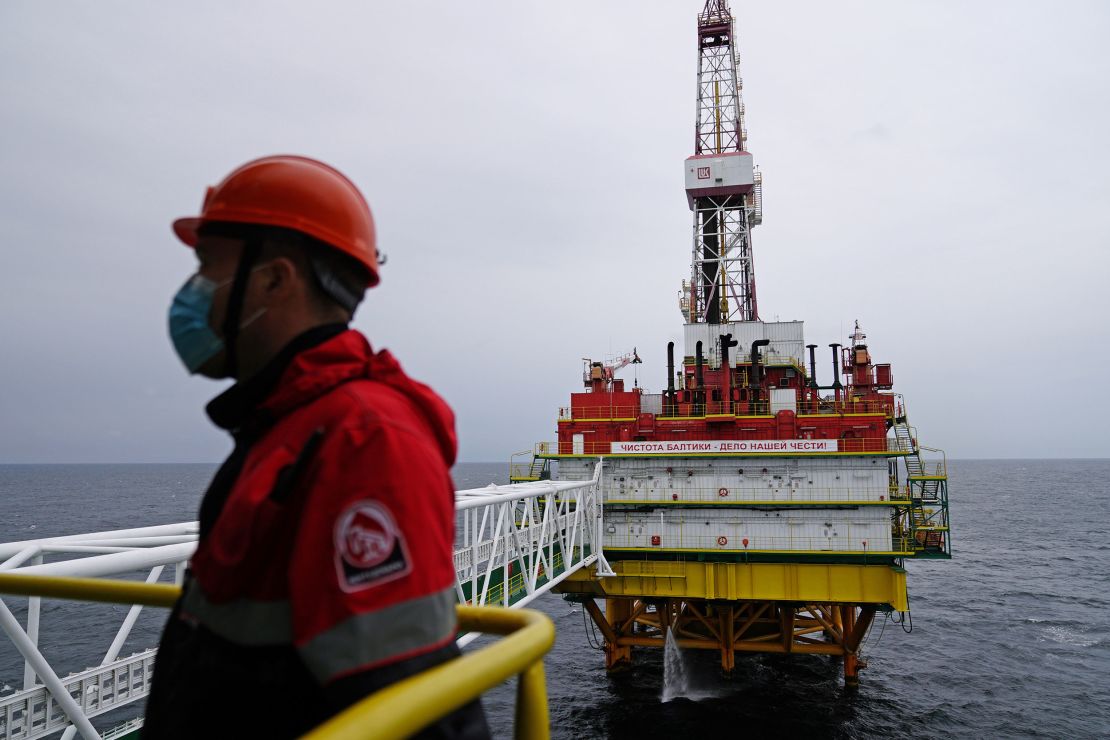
<point>742,399</point>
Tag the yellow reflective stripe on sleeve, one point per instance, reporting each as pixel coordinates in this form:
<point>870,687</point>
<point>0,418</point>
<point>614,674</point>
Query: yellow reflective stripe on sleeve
<point>365,640</point>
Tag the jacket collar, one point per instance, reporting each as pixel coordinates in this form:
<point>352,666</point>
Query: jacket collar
<point>240,407</point>
<point>312,365</point>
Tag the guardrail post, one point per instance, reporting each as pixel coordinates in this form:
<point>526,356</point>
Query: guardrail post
<point>34,610</point>
<point>532,719</point>
<point>129,621</point>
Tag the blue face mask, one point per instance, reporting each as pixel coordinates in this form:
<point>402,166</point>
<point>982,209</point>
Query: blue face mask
<point>193,339</point>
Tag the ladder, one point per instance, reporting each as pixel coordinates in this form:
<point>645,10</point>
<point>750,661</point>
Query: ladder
<point>536,469</point>
<point>927,486</point>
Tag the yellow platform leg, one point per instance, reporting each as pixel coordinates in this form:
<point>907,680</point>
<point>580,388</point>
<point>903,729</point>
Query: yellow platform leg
<point>779,627</point>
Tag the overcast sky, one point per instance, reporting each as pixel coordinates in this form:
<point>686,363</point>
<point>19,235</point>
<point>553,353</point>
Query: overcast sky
<point>938,170</point>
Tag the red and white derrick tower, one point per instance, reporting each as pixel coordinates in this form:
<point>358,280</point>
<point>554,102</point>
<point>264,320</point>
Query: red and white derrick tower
<point>722,185</point>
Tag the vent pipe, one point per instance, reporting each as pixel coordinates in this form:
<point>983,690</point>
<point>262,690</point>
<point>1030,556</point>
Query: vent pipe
<point>699,380</point>
<point>757,369</point>
<point>670,375</point>
<point>836,370</point>
<point>698,362</point>
<point>726,387</point>
<point>812,366</point>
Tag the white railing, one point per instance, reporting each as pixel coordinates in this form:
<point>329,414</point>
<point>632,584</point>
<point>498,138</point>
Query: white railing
<point>123,730</point>
<point>513,543</point>
<point>34,712</point>
<point>518,541</point>
<point>48,703</point>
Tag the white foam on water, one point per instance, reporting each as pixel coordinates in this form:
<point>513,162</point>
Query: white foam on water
<point>677,680</point>
<point>1068,637</point>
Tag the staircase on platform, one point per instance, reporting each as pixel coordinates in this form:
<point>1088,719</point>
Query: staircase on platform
<point>525,472</point>
<point>927,489</point>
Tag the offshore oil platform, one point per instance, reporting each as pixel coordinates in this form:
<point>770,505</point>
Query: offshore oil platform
<point>748,507</point>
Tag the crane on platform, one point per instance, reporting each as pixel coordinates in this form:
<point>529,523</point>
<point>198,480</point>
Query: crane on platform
<point>605,372</point>
<point>723,188</point>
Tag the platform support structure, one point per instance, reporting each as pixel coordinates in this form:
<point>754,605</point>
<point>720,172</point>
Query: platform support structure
<point>733,627</point>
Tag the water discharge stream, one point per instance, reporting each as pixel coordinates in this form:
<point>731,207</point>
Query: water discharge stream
<point>676,675</point>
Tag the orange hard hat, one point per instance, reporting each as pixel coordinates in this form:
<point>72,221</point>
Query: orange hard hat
<point>294,193</point>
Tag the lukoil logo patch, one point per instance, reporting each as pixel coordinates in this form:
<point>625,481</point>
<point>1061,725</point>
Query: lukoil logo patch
<point>369,547</point>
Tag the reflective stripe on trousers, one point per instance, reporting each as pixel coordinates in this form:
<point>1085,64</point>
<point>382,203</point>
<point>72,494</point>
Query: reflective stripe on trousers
<point>365,640</point>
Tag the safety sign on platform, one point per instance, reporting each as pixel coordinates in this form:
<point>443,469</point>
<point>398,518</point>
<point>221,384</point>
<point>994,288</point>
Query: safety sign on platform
<point>763,446</point>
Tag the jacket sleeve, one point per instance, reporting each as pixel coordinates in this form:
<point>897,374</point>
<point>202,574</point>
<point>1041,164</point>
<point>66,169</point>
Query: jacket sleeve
<point>372,577</point>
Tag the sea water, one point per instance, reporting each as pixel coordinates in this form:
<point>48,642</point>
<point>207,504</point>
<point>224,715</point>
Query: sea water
<point>1009,639</point>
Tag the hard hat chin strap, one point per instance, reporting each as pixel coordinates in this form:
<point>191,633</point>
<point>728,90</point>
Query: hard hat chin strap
<point>251,249</point>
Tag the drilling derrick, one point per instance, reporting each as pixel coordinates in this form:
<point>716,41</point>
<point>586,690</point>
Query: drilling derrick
<point>722,186</point>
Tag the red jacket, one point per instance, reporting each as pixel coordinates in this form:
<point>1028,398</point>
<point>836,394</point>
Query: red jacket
<point>355,565</point>
<point>327,536</point>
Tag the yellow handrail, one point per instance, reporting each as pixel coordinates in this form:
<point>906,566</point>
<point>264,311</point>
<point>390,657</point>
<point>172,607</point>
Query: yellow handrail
<point>402,709</point>
<point>405,707</point>
<point>90,589</point>
<point>941,465</point>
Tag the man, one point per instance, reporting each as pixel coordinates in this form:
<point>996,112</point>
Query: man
<point>324,568</point>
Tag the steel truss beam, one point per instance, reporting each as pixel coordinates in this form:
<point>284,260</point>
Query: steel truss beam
<point>734,626</point>
<point>722,285</point>
<point>723,276</point>
<point>49,703</point>
<point>518,541</point>
<point>720,112</point>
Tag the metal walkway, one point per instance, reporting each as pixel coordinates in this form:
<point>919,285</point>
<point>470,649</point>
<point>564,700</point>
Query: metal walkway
<point>513,543</point>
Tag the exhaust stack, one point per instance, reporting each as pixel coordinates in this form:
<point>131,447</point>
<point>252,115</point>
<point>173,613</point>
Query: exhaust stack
<point>726,342</point>
<point>836,386</point>
<point>670,377</point>
<point>757,369</point>
<point>812,366</point>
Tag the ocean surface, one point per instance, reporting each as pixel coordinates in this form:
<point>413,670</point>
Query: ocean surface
<point>1011,638</point>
